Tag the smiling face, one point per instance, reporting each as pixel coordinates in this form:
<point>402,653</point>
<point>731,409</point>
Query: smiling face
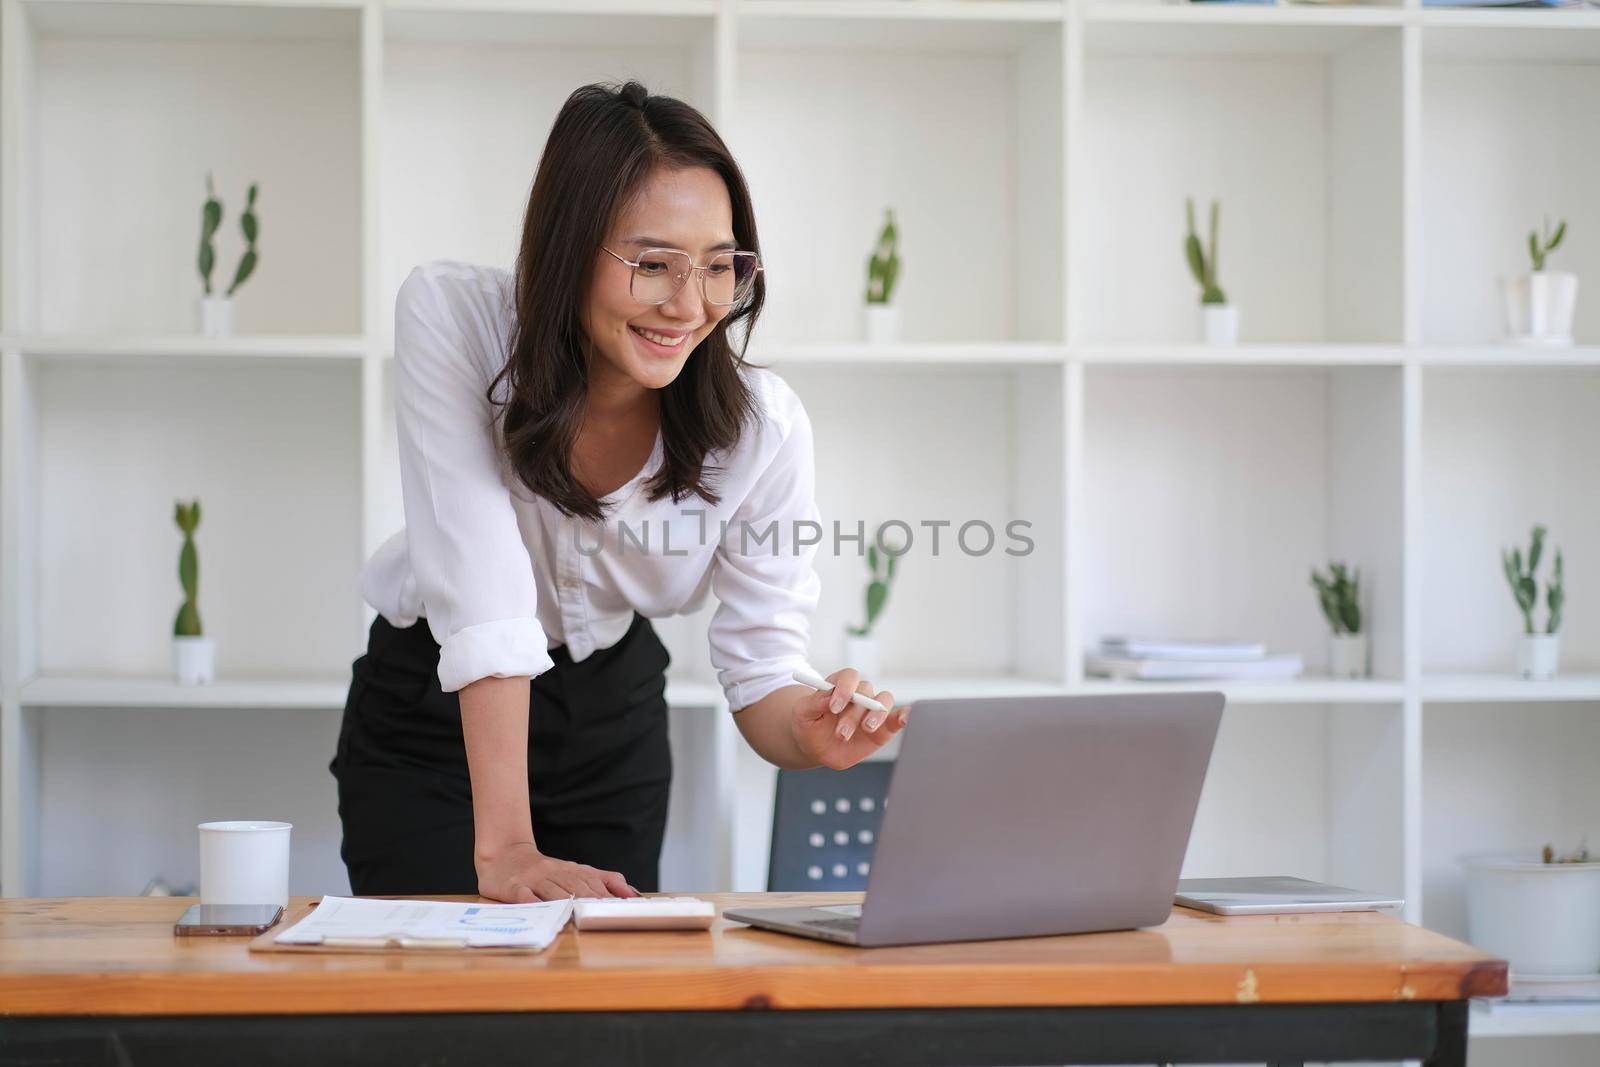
<point>647,344</point>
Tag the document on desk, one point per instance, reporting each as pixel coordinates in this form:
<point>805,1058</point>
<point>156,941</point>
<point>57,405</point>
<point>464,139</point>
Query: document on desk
<point>360,922</point>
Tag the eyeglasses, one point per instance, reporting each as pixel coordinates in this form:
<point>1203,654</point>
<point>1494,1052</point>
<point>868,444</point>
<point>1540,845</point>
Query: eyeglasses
<point>659,275</point>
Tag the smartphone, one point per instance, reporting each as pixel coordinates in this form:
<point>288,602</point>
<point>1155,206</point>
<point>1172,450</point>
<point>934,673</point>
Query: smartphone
<point>227,919</point>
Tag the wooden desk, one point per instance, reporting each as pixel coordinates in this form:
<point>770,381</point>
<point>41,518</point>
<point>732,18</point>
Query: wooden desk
<point>103,980</point>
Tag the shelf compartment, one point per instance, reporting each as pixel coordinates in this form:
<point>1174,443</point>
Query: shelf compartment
<point>1503,449</point>
<point>1210,494</point>
<point>1500,779</point>
<point>454,82</point>
<point>207,83</point>
<point>1312,792</point>
<point>962,138</point>
<point>1493,99</point>
<point>262,447</point>
<point>985,446</point>
<point>119,794</point>
<point>1296,129</point>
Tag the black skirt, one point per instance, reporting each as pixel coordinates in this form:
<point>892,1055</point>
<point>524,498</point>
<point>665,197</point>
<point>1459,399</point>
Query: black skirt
<point>599,766</point>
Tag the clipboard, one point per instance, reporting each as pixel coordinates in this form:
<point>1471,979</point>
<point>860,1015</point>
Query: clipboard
<point>428,948</point>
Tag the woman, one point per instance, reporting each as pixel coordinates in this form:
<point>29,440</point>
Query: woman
<point>581,449</point>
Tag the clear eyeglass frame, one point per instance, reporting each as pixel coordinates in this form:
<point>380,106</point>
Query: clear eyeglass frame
<point>633,277</point>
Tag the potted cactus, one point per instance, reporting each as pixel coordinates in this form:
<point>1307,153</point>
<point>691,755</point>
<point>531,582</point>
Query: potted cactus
<point>1539,306</point>
<point>193,655</point>
<point>860,643</point>
<point>883,271</point>
<point>1339,593</point>
<point>1219,320</point>
<point>1540,912</point>
<point>216,312</point>
<point>1537,653</point>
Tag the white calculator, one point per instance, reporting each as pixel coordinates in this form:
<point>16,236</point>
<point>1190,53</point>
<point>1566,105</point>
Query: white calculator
<point>643,913</point>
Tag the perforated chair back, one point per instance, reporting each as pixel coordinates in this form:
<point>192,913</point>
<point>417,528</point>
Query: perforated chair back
<point>825,827</point>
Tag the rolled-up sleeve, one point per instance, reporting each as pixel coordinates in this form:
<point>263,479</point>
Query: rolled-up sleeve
<point>765,578</point>
<point>472,569</point>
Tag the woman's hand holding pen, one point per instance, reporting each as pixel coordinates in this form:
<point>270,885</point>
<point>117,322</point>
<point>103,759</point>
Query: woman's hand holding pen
<point>835,731</point>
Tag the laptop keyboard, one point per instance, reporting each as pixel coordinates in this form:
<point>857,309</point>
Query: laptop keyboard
<point>847,926</point>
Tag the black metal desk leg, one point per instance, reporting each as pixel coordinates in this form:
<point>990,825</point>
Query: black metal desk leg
<point>1451,1051</point>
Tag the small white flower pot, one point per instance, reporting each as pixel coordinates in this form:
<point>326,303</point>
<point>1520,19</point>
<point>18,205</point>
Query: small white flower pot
<point>862,654</point>
<point>1219,324</point>
<point>1541,918</point>
<point>1539,307</point>
<point>1347,656</point>
<point>882,323</point>
<point>194,660</point>
<point>1538,655</point>
<point>216,316</point>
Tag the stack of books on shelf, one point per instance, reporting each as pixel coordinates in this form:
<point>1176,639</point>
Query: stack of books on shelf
<point>1147,659</point>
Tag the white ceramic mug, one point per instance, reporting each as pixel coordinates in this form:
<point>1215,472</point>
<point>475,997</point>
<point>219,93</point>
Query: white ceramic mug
<point>244,862</point>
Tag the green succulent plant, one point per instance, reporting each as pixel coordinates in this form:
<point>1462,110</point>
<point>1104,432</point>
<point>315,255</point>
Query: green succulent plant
<point>1539,248</point>
<point>1525,587</point>
<point>1340,596</point>
<point>210,222</point>
<point>188,621</point>
<point>247,224</point>
<point>883,266</point>
<point>881,566</point>
<point>1203,263</point>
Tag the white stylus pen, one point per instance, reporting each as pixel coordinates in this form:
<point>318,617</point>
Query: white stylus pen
<point>806,676</point>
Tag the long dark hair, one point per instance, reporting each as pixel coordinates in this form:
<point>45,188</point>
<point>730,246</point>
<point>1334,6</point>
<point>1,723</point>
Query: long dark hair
<point>604,144</point>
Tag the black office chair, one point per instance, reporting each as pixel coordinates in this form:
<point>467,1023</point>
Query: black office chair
<point>825,827</point>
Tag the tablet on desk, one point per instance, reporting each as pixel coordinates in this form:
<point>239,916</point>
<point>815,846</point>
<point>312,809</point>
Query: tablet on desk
<point>1275,895</point>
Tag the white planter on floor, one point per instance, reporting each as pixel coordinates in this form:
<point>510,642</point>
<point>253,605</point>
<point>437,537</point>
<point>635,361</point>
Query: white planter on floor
<point>194,660</point>
<point>216,316</point>
<point>1542,918</point>
<point>862,654</point>
<point>1538,655</point>
<point>1539,307</point>
<point>1219,324</point>
<point>882,323</point>
<point>1347,655</point>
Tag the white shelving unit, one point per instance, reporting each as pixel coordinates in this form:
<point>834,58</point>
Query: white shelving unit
<point>1378,167</point>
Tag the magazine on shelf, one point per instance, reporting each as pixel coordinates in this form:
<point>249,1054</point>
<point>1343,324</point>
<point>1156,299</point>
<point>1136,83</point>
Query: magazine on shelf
<point>1269,668</point>
<point>1118,646</point>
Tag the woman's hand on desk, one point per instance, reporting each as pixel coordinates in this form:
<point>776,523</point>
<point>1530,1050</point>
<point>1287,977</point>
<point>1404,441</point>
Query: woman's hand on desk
<point>844,737</point>
<point>521,874</point>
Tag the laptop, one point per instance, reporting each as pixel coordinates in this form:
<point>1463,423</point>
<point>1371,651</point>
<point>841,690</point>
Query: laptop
<point>1026,816</point>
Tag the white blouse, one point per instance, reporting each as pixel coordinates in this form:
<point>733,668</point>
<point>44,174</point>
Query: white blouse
<point>502,576</point>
